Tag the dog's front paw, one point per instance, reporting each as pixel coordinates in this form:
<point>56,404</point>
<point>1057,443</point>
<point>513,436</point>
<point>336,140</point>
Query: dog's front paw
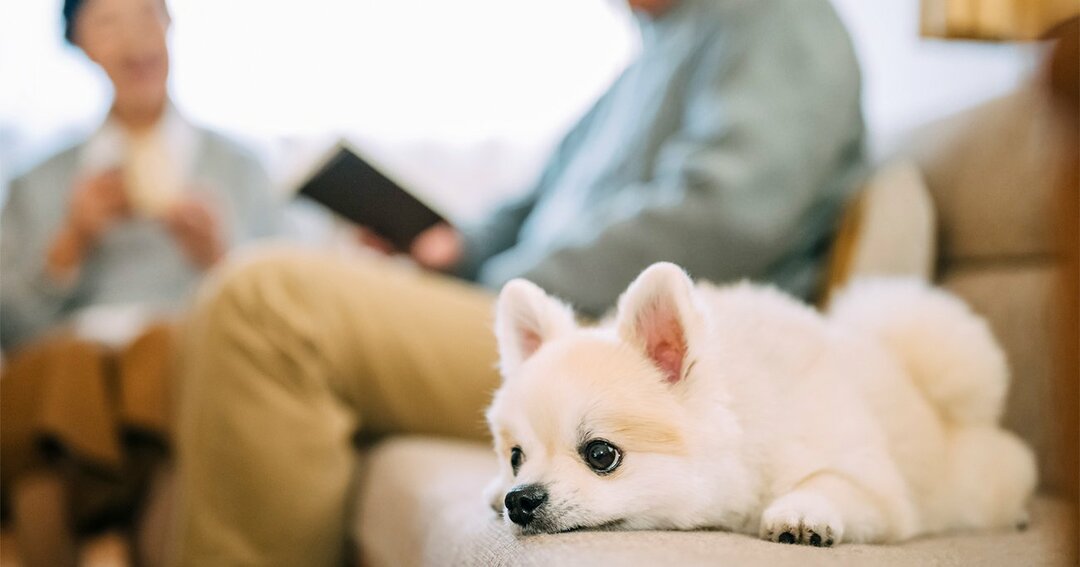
<point>802,517</point>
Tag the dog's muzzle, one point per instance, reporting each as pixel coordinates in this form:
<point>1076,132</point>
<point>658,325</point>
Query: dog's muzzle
<point>522,502</point>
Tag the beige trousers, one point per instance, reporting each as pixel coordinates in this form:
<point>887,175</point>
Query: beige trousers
<point>287,356</point>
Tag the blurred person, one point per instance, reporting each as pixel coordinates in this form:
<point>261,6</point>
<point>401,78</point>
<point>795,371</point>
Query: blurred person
<point>105,237</point>
<point>727,147</point>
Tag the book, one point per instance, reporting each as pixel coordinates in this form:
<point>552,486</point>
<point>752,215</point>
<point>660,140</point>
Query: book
<point>356,190</point>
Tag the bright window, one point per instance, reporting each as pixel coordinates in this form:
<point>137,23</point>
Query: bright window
<point>463,97</point>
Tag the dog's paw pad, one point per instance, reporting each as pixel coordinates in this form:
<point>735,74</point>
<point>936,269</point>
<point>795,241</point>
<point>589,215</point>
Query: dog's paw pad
<point>803,532</point>
<point>802,520</point>
<point>818,540</point>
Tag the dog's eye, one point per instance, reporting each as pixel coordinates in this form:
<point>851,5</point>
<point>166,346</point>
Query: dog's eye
<point>517,456</point>
<point>601,456</point>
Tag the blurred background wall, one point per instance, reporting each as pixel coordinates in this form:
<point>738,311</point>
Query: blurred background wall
<point>461,99</point>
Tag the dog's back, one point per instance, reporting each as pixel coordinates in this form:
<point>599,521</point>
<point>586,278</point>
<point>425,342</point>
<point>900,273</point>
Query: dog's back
<point>892,358</point>
<point>947,350</point>
<point>985,474</point>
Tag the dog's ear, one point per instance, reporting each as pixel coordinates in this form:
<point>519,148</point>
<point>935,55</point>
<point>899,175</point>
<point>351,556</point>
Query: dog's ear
<point>526,318</point>
<point>658,315</point>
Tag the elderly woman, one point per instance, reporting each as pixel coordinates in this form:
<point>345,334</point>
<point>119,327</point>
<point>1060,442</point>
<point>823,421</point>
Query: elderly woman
<point>117,229</point>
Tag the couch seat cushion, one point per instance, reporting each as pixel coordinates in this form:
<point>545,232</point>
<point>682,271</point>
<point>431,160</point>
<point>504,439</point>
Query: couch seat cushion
<point>421,504</point>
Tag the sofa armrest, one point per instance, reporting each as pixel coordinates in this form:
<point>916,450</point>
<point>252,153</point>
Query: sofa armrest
<point>887,230</point>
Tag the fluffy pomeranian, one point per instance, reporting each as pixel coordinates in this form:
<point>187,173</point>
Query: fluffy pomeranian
<point>740,408</point>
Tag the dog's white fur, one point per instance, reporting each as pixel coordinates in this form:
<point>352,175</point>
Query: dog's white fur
<point>740,408</point>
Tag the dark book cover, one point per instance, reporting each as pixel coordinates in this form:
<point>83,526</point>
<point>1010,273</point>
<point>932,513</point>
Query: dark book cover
<point>357,191</point>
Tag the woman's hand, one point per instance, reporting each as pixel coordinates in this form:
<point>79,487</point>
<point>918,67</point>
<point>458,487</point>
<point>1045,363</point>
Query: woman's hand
<point>197,229</point>
<point>97,203</point>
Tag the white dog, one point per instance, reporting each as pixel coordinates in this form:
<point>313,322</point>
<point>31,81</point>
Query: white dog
<point>742,409</point>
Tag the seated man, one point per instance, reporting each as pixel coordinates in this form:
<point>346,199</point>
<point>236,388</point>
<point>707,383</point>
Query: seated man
<point>124,224</point>
<point>727,147</point>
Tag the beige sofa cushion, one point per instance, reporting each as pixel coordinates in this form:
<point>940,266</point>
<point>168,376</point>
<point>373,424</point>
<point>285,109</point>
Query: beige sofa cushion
<point>992,174</point>
<point>1022,303</point>
<point>990,171</point>
<point>421,504</point>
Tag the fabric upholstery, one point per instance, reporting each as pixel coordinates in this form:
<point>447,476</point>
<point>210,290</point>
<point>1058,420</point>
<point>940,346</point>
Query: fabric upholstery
<point>987,170</point>
<point>887,230</point>
<point>1022,305</point>
<point>991,173</point>
<point>422,504</point>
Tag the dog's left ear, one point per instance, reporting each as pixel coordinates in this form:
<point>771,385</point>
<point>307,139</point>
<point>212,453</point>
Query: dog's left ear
<point>526,318</point>
<point>657,314</point>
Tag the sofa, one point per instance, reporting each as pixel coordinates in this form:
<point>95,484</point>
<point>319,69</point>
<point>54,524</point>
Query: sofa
<point>969,204</point>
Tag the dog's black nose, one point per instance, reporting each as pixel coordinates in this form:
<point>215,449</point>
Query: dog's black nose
<point>522,501</point>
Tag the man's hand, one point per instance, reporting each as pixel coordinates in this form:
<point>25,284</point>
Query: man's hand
<point>372,241</point>
<point>97,203</point>
<point>437,248</point>
<point>196,228</point>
